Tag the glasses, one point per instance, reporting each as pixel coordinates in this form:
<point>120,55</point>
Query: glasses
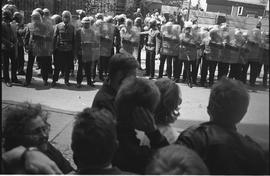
<point>40,130</point>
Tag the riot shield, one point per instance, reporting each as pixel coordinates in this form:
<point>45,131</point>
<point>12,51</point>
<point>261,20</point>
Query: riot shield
<point>188,48</point>
<point>90,43</point>
<point>170,39</point>
<point>38,34</point>
<point>215,44</point>
<point>106,31</point>
<point>231,51</point>
<point>135,39</point>
<point>265,48</point>
<point>48,42</point>
<point>75,21</point>
<point>127,40</point>
<point>253,44</point>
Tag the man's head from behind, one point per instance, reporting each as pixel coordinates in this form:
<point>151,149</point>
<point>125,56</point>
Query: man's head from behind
<point>26,125</point>
<point>122,66</point>
<point>133,93</point>
<point>94,139</point>
<point>228,102</point>
<point>176,160</point>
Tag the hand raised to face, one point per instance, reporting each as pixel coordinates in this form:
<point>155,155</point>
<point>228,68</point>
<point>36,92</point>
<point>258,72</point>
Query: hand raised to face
<point>143,119</point>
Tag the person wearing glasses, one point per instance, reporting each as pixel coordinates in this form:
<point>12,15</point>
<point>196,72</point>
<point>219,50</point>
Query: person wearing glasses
<point>26,125</point>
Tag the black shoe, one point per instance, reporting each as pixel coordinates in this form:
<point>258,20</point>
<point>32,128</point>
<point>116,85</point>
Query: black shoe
<point>21,73</point>
<point>45,83</point>
<point>91,84</point>
<point>202,84</point>
<point>8,84</point>
<point>17,81</point>
<point>67,84</point>
<point>146,74</point>
<point>101,78</point>
<point>151,78</point>
<point>26,84</point>
<point>177,80</point>
<point>53,84</point>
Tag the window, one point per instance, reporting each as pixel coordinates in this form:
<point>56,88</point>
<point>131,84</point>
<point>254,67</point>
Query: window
<point>240,10</point>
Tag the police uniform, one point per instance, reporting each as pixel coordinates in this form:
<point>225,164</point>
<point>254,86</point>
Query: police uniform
<point>169,49</point>
<point>87,51</point>
<point>151,49</point>
<point>64,46</point>
<point>253,56</point>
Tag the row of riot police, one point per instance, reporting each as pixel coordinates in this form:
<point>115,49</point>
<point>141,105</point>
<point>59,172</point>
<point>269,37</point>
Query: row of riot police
<point>92,41</point>
<point>230,50</point>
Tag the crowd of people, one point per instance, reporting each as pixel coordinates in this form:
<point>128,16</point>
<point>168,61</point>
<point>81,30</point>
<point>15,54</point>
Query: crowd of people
<point>127,129</point>
<point>57,42</point>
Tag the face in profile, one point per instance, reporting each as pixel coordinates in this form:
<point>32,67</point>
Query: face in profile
<point>37,133</point>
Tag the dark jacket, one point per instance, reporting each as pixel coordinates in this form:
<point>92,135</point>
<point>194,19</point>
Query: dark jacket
<point>105,98</point>
<point>224,150</point>
<point>110,171</point>
<point>152,40</point>
<point>59,159</point>
<point>64,37</point>
<point>8,37</point>
<point>132,157</point>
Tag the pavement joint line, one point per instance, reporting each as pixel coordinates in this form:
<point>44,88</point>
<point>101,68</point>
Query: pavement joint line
<point>72,120</point>
<point>43,106</point>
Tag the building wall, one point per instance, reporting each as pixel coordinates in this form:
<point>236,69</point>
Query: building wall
<point>219,8</point>
<point>226,7</point>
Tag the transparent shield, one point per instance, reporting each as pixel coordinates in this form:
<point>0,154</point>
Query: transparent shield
<point>40,36</point>
<point>170,39</point>
<point>90,42</point>
<point>135,39</point>
<point>106,31</point>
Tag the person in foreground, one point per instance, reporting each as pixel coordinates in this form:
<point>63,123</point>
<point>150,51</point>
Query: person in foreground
<point>32,161</point>
<point>176,160</point>
<point>26,125</point>
<point>121,66</point>
<point>135,104</point>
<point>222,148</point>
<point>94,142</point>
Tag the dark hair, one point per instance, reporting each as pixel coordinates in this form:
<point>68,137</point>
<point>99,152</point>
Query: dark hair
<point>16,120</point>
<point>94,139</point>
<point>167,109</point>
<point>228,101</point>
<point>6,15</point>
<point>123,62</point>
<point>176,160</point>
<point>135,92</point>
<point>18,17</point>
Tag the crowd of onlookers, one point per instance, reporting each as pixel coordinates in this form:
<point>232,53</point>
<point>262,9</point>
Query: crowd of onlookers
<point>128,130</point>
<point>58,43</point>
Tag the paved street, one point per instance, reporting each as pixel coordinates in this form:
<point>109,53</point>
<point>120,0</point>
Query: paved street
<point>63,103</point>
